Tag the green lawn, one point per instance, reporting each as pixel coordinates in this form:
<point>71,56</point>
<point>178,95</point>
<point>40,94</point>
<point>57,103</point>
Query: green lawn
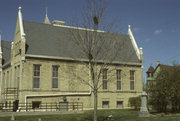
<point>119,115</point>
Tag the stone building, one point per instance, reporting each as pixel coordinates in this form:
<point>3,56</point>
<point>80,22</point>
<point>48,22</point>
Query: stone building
<point>35,68</point>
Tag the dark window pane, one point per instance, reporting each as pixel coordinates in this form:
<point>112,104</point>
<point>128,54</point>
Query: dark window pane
<point>132,79</point>
<point>131,75</point>
<point>105,104</point>
<point>36,82</point>
<point>118,73</point>
<point>104,84</point>
<point>104,73</point>
<point>131,85</point>
<point>36,70</point>
<point>54,83</point>
<point>118,85</point>
<point>36,104</point>
<point>120,104</point>
<point>55,76</point>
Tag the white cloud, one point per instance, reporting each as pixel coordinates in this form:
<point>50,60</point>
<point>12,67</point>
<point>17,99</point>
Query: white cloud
<point>158,31</point>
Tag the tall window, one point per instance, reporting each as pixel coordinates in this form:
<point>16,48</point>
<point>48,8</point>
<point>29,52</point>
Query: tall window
<point>104,85</point>
<point>4,81</point>
<point>118,74</point>
<point>18,75</point>
<point>7,80</point>
<point>132,79</point>
<point>55,76</point>
<point>15,79</point>
<point>36,76</point>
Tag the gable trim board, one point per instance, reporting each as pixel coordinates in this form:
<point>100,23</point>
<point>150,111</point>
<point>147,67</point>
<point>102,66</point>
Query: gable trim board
<point>21,23</point>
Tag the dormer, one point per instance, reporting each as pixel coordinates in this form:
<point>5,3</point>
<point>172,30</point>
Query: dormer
<point>150,72</point>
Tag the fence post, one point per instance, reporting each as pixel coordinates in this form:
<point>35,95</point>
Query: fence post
<point>51,106</point>
<point>56,106</point>
<point>26,106</point>
<point>12,117</point>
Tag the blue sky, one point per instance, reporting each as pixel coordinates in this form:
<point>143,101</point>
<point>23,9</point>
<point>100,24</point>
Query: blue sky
<point>155,23</point>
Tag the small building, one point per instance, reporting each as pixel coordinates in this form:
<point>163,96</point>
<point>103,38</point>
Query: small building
<point>152,72</point>
<point>36,68</point>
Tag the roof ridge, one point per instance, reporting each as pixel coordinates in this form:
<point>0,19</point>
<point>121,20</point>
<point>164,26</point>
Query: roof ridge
<point>73,27</point>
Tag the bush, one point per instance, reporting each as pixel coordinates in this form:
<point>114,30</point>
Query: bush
<point>135,102</point>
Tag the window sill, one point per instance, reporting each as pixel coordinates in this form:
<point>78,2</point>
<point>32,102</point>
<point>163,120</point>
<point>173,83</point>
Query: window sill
<point>133,91</point>
<point>36,89</point>
<point>55,89</point>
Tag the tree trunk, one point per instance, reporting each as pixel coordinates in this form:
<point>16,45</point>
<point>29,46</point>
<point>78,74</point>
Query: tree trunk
<point>95,105</point>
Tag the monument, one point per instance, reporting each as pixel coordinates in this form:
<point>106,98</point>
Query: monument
<point>143,110</point>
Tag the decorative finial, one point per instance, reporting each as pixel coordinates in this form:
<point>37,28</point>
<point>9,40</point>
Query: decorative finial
<point>19,8</point>
<point>46,11</point>
<point>129,26</point>
<point>46,20</point>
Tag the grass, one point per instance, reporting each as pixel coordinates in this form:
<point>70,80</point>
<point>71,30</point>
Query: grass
<point>119,115</point>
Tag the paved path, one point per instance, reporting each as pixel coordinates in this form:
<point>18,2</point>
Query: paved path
<point>6,114</point>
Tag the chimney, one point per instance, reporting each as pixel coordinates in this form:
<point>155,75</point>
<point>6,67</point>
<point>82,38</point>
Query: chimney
<point>58,23</point>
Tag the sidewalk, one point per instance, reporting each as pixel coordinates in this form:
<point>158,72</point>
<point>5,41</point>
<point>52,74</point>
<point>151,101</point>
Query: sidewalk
<point>6,114</point>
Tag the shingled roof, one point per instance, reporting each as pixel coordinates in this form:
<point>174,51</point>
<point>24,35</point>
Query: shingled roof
<point>150,70</point>
<point>48,40</point>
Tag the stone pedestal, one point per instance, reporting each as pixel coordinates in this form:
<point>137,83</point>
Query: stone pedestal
<point>143,110</point>
<point>12,117</point>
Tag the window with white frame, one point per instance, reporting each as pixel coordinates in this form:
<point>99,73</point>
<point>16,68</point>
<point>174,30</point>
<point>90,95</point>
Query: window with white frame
<point>105,80</point>
<point>132,79</point>
<point>55,76</point>
<point>118,75</point>
<point>36,76</point>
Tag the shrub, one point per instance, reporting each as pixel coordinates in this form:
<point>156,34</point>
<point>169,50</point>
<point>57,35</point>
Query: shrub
<point>135,102</point>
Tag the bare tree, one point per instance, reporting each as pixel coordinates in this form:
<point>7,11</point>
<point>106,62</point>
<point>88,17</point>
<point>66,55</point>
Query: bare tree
<point>98,49</point>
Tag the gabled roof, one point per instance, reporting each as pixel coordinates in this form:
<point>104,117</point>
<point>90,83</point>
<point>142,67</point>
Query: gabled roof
<point>49,40</point>
<point>166,67</point>
<point>6,51</point>
<point>150,70</point>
